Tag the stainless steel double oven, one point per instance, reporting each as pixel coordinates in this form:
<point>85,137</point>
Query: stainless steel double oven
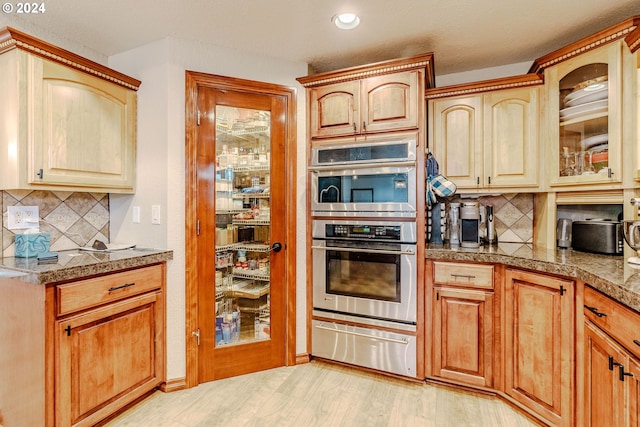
<point>364,254</point>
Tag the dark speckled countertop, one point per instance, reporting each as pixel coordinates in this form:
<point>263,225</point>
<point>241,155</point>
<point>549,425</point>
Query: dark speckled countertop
<point>611,275</point>
<point>76,264</point>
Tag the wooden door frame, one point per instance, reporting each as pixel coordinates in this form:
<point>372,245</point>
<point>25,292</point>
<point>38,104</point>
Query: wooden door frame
<point>193,81</point>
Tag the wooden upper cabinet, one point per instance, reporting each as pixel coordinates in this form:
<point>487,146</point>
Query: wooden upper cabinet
<point>71,122</point>
<point>334,109</point>
<point>381,97</point>
<point>591,108</point>
<point>488,137</point>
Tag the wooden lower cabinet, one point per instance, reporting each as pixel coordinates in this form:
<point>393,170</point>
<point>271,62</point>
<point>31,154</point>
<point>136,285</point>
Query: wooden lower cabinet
<point>107,358</point>
<point>463,336</point>
<point>539,328</point>
<point>612,362</point>
<point>604,398</point>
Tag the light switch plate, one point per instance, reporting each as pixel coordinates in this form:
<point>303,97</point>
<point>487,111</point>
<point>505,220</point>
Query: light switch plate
<point>155,214</point>
<point>22,217</point>
<point>136,214</point>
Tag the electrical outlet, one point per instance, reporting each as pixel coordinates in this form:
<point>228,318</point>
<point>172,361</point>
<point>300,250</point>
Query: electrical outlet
<point>22,217</point>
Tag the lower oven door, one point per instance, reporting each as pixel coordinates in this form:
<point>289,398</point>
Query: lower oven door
<point>373,280</point>
<point>371,348</point>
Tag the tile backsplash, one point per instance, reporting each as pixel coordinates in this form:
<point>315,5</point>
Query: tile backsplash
<point>71,218</point>
<point>513,215</point>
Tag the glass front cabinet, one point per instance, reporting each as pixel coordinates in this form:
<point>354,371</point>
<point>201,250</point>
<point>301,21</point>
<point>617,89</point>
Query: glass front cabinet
<point>584,118</point>
<point>242,283</point>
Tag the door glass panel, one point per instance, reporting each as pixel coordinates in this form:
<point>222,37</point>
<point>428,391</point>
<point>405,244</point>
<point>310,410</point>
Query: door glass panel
<point>242,285</point>
<point>584,121</point>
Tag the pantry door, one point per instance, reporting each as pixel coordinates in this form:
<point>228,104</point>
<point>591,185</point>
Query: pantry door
<point>240,236</point>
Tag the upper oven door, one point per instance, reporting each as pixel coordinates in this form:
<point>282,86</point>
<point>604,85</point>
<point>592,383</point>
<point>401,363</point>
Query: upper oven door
<point>380,191</point>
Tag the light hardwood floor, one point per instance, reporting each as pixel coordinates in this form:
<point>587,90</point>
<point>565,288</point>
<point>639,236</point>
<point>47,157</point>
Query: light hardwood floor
<point>319,394</point>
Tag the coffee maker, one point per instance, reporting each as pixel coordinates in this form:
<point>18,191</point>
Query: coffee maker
<point>470,225</point>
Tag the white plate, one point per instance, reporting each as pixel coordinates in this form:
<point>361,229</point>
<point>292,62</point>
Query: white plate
<point>584,96</point>
<point>111,247</point>
<point>592,141</point>
<point>584,109</point>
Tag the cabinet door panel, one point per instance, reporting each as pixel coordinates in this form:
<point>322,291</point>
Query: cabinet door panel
<point>633,417</point>
<point>391,102</point>
<point>457,139</point>
<point>334,109</point>
<point>86,133</point>
<point>604,392</point>
<point>107,358</point>
<point>463,353</point>
<point>539,335</point>
<point>511,138</point>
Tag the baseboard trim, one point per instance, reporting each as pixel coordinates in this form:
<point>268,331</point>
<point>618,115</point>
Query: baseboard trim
<point>174,385</point>
<point>302,358</point>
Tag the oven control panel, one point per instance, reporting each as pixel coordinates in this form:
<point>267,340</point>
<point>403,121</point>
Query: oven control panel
<point>354,231</point>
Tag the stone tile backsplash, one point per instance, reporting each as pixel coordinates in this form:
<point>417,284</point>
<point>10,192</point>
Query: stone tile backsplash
<point>71,218</point>
<point>513,215</point>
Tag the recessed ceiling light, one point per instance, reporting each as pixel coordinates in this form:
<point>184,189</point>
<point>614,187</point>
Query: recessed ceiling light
<point>346,21</point>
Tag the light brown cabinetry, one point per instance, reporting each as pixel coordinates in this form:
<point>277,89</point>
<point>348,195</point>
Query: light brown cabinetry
<point>80,350</point>
<point>110,345</point>
<point>381,97</point>
<point>374,104</point>
<point>70,123</point>
<point>463,312</point>
<point>612,348</point>
<point>486,140</point>
<point>539,338</point>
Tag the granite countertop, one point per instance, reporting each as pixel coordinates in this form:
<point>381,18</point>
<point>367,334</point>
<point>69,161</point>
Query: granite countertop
<point>611,275</point>
<point>76,264</point>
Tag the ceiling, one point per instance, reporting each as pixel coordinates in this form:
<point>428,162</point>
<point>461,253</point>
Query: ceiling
<point>463,34</point>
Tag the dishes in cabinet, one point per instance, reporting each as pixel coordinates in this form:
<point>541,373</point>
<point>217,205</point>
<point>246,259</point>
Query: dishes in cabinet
<point>579,111</point>
<point>586,95</point>
<point>594,141</point>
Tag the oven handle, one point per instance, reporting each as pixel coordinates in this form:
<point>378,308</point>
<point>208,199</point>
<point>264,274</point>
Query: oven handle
<point>371,251</point>
<point>393,340</point>
<point>350,166</point>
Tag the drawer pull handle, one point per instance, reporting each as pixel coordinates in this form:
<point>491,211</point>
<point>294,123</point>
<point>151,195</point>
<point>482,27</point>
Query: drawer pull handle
<point>126,285</point>
<point>636,342</point>
<point>466,276</point>
<point>595,311</point>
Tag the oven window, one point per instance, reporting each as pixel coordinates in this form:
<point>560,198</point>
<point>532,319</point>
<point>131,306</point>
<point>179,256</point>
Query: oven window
<point>365,275</point>
<point>372,188</point>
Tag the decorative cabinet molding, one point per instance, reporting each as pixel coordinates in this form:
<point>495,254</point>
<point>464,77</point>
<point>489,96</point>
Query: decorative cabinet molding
<point>486,140</point>
<point>71,123</point>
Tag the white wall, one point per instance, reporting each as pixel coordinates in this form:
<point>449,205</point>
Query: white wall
<point>161,163</point>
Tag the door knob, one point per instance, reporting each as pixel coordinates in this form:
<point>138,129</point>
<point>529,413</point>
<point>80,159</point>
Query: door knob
<point>276,247</point>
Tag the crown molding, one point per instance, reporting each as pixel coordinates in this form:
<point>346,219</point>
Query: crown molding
<point>424,61</point>
<point>586,44</point>
<point>11,38</point>
<point>524,80</point>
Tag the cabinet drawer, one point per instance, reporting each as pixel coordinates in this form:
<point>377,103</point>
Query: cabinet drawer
<point>89,293</point>
<point>461,274</point>
<point>620,322</point>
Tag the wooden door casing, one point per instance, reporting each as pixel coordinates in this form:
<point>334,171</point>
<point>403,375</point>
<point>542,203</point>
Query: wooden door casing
<point>539,325</point>
<point>200,229</point>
